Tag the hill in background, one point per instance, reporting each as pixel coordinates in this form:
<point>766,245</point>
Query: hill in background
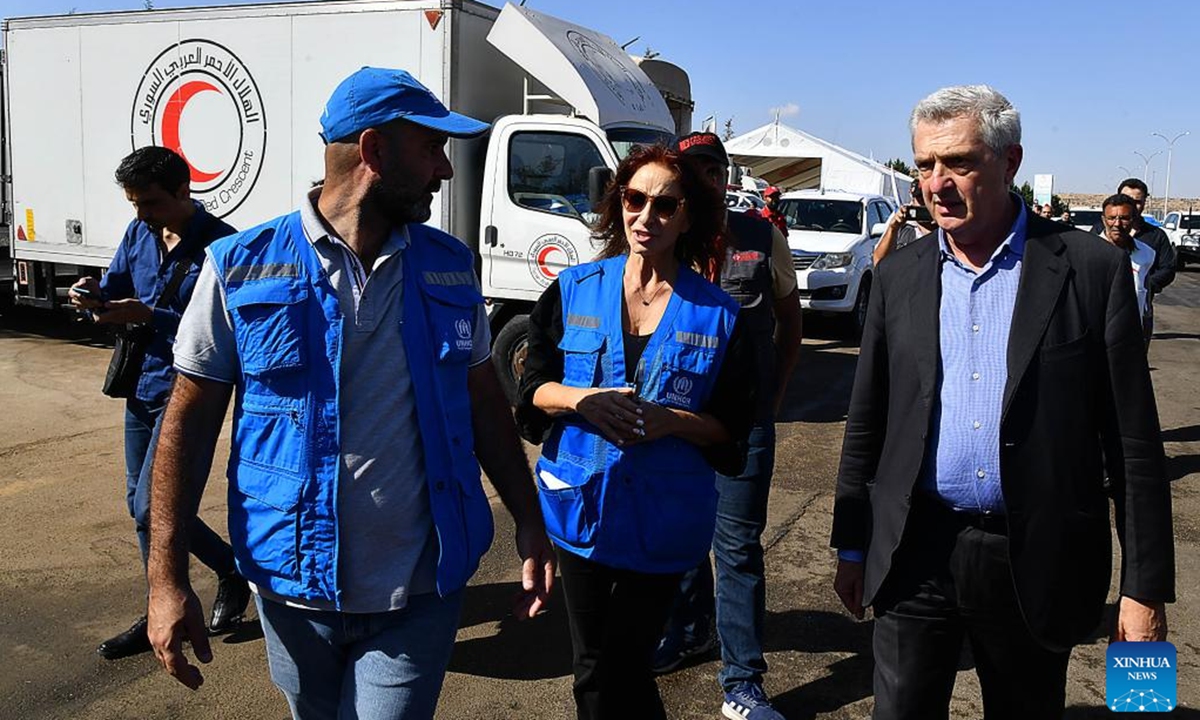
<point>1082,200</point>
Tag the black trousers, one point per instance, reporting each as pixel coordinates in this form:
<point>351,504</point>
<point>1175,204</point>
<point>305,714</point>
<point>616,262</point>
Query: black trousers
<point>951,581</point>
<point>616,618</point>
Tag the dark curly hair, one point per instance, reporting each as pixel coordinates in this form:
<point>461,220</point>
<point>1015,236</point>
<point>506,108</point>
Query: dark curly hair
<point>701,247</point>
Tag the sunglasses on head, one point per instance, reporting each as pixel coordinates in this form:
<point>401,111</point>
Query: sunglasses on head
<point>664,206</point>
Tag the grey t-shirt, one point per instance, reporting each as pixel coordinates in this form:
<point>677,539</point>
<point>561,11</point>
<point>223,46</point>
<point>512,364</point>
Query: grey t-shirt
<point>387,546</point>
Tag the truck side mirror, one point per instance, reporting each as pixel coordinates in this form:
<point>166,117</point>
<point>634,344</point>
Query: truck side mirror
<point>878,229</point>
<point>1170,226</point>
<point>599,179</point>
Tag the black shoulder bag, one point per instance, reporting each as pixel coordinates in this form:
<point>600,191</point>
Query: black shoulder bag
<point>129,352</point>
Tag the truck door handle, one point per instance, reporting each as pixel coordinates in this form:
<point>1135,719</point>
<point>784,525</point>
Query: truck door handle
<point>489,236</point>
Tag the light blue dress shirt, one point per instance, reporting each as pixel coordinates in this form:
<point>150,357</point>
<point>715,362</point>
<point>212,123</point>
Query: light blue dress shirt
<point>962,460</point>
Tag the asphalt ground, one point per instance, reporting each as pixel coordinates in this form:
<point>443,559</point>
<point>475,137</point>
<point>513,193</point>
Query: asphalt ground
<point>70,575</point>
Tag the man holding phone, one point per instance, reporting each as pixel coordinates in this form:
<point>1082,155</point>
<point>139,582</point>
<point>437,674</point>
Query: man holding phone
<point>905,225</point>
<point>167,237</point>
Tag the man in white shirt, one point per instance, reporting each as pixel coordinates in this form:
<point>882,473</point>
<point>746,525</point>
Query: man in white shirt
<point>1120,213</point>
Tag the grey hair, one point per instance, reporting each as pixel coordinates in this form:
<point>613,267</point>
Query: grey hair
<point>999,122</point>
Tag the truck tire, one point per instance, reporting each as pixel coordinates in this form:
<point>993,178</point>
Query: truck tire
<point>857,319</point>
<point>508,354</point>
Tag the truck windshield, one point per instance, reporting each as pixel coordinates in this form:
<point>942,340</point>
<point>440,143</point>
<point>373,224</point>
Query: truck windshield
<point>1189,222</point>
<point>1085,217</point>
<point>625,139</point>
<point>842,216</point>
<point>548,171</point>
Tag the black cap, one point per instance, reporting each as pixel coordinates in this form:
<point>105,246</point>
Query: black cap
<point>703,144</point>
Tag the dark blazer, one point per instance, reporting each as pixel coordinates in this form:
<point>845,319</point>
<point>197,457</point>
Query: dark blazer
<point>1078,393</point>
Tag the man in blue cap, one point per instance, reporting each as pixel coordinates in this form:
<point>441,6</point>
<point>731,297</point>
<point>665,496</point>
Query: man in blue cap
<point>355,344</point>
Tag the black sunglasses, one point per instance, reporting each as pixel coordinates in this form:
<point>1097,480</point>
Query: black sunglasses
<point>664,206</point>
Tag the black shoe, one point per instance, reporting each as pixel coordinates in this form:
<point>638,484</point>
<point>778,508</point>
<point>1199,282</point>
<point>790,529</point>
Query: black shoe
<point>233,595</point>
<point>131,642</point>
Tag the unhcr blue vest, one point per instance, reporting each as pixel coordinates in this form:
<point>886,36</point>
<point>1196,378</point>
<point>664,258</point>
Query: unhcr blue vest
<point>652,507</point>
<point>284,459</point>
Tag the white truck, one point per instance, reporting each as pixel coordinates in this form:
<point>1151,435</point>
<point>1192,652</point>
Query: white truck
<point>238,91</point>
<point>1183,230</point>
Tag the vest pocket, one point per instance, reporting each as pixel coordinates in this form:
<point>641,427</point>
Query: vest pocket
<point>264,522</point>
<point>567,493</point>
<point>453,310</point>
<point>581,356</point>
<point>267,320</point>
<point>272,435</point>
<point>685,376</point>
<point>677,514</point>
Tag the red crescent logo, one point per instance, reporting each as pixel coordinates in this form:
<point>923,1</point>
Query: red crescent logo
<point>170,124</point>
<point>541,260</point>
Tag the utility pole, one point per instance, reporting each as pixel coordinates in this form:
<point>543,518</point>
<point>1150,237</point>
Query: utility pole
<point>1170,147</point>
<point>1146,160</point>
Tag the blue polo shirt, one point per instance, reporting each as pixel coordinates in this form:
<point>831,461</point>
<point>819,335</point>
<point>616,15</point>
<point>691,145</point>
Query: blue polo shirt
<point>140,269</point>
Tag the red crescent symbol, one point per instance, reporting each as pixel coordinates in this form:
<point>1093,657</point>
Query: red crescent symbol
<point>170,124</point>
<point>541,260</point>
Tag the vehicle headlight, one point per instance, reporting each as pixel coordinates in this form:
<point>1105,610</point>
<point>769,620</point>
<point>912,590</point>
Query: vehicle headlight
<point>830,261</point>
<point>1189,240</point>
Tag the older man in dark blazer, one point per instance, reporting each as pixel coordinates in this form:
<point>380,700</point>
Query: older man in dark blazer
<point>1002,376</point>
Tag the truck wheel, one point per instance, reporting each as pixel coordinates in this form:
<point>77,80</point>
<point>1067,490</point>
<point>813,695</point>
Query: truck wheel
<point>858,314</point>
<point>508,354</point>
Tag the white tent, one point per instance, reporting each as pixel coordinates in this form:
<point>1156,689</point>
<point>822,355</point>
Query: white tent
<point>792,159</point>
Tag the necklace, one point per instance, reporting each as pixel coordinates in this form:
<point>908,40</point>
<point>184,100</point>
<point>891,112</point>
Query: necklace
<point>653,296</point>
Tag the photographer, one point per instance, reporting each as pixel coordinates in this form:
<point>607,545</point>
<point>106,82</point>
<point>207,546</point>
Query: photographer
<point>905,225</point>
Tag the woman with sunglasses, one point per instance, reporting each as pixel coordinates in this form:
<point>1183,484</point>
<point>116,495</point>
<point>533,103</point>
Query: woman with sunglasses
<point>638,383</point>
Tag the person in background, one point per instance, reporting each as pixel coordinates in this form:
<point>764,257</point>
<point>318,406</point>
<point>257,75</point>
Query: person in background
<point>353,341</point>
<point>1119,213</point>
<point>1065,218</point>
<point>1001,376</point>
<point>771,213</point>
<point>167,238</point>
<point>1162,272</point>
<point>639,385</point>
<point>758,272</point>
<point>900,230</point>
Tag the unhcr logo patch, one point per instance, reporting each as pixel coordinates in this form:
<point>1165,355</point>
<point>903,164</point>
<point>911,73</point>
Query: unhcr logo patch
<point>680,392</point>
<point>462,327</point>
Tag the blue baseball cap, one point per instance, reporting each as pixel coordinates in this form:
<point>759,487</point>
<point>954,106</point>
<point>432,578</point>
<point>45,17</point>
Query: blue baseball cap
<point>373,96</point>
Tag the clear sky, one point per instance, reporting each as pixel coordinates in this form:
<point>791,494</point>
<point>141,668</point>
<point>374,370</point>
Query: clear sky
<point>1092,78</point>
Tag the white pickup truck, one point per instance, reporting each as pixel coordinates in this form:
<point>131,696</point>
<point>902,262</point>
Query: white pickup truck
<point>832,235</point>
<point>1183,229</point>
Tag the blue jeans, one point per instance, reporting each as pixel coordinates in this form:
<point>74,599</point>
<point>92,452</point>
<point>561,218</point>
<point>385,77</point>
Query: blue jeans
<point>369,666</point>
<point>740,602</point>
<point>143,421</point>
